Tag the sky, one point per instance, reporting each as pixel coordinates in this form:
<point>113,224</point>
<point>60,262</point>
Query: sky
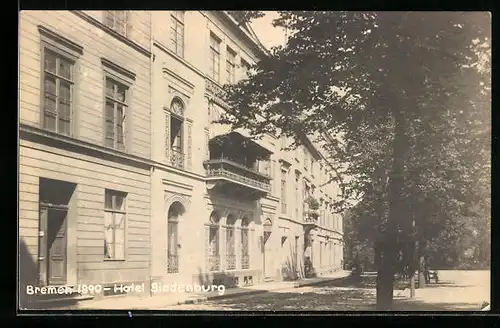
<point>268,35</point>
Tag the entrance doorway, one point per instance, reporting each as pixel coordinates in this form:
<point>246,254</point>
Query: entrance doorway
<point>52,260</point>
<point>267,251</point>
<point>54,204</point>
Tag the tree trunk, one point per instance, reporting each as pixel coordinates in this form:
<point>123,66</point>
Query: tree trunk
<point>421,272</point>
<point>412,269</point>
<point>385,276</point>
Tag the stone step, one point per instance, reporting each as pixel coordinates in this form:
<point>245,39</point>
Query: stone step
<point>57,300</point>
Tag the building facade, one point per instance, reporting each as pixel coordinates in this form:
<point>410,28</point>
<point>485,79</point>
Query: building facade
<point>124,174</point>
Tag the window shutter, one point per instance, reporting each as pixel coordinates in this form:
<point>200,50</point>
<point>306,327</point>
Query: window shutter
<point>189,145</point>
<point>167,134</point>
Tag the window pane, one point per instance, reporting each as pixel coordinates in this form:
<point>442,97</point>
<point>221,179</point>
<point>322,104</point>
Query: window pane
<point>108,200</point>
<point>108,234</point>
<point>121,92</point>
<point>49,121</point>
<point>50,61</point>
<point>50,85</point>
<point>110,91</point>
<point>110,126</point>
<point>64,127</point>
<point>119,228</point>
<point>119,251</point>
<point>110,111</point>
<point>172,238</point>
<point>50,103</point>
<point>120,202</point>
<point>119,125</point>
<point>110,18</point>
<point>213,244</point>
<point>64,68</point>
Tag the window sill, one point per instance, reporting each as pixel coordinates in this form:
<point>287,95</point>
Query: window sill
<point>114,260</point>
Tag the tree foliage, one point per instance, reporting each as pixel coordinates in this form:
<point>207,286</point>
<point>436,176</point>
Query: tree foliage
<point>406,98</point>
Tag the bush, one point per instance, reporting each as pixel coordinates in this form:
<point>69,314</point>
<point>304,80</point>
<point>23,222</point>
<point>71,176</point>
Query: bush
<point>312,203</point>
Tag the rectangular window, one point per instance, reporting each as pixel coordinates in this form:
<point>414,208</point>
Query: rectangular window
<point>297,195</point>
<point>245,68</point>
<point>57,92</point>
<point>283,192</point>
<point>116,20</point>
<point>177,142</point>
<point>177,32</point>
<point>230,248</point>
<point>214,58</point>
<point>115,113</point>
<point>244,248</point>
<point>114,225</point>
<point>230,64</point>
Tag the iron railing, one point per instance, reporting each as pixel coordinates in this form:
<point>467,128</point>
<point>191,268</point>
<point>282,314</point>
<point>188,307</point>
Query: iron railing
<point>310,217</point>
<point>245,261</point>
<point>222,172</point>
<point>177,159</point>
<point>173,263</point>
<point>214,262</point>
<point>226,160</point>
<point>231,261</point>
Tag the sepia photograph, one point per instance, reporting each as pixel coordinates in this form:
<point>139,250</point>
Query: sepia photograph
<point>275,161</point>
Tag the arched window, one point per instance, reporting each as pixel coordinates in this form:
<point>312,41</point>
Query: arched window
<point>213,243</point>
<point>174,212</point>
<point>176,134</point>
<point>230,246</point>
<point>245,256</point>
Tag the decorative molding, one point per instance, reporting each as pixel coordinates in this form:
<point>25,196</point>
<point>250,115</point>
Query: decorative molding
<point>268,206</point>
<point>165,49</point>
<point>215,92</point>
<point>111,32</point>
<point>64,142</point>
<point>117,68</point>
<point>285,164</point>
<point>178,184</point>
<point>171,197</point>
<point>179,78</point>
<point>60,39</point>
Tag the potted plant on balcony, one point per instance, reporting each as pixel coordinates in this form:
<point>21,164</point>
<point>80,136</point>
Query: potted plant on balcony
<point>312,207</point>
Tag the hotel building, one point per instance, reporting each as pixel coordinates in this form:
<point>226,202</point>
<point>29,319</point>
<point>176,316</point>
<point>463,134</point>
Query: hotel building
<point>125,178</point>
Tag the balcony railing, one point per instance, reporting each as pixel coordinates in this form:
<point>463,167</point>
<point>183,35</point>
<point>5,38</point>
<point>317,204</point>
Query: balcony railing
<point>173,263</point>
<point>214,262</point>
<point>177,159</point>
<point>224,168</point>
<point>225,160</point>
<point>245,261</point>
<point>231,261</point>
<point>310,217</point>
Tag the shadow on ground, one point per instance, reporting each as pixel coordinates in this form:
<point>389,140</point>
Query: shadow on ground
<point>343,295</point>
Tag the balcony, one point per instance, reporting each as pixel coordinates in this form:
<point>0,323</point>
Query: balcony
<point>310,219</point>
<point>233,167</point>
<point>176,159</point>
